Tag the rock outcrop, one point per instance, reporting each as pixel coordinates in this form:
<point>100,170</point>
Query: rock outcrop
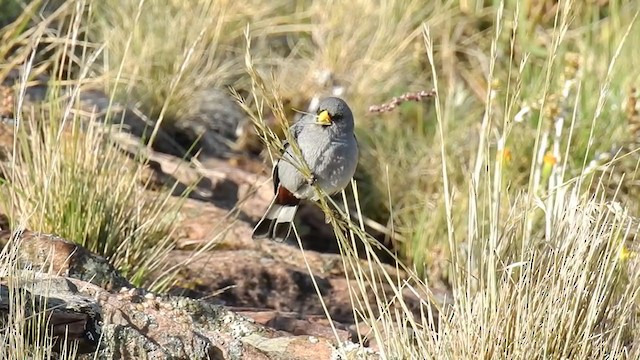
<point>133,323</point>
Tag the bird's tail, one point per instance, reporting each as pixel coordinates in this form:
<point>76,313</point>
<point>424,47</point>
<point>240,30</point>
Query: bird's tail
<point>277,222</point>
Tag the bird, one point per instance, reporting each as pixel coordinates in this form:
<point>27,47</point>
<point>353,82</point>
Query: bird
<point>328,145</point>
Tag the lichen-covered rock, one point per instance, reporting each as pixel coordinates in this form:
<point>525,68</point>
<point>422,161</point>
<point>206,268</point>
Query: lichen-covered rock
<point>136,324</point>
<point>133,323</point>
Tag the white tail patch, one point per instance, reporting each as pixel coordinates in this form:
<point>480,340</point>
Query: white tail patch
<point>287,213</point>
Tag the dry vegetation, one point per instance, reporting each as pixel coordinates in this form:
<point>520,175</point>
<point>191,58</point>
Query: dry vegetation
<point>513,185</point>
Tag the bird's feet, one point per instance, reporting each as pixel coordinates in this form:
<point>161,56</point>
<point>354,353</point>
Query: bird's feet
<point>312,180</point>
<point>332,214</point>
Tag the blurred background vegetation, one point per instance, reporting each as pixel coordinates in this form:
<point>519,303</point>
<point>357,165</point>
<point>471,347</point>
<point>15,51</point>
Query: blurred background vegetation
<point>161,54</point>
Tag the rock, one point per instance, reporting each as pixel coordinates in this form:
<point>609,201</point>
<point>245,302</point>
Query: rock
<point>297,324</point>
<point>96,104</point>
<point>134,323</point>
<point>70,315</point>
<point>35,92</point>
<point>295,347</point>
<point>54,255</point>
<point>169,327</point>
<point>209,130</point>
<point>212,125</point>
<point>130,325</point>
<point>273,276</point>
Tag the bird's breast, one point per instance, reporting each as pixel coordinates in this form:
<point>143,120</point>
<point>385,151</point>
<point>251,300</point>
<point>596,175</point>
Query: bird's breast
<point>333,163</point>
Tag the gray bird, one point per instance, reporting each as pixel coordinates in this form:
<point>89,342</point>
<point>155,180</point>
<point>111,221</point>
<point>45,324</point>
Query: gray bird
<point>328,145</point>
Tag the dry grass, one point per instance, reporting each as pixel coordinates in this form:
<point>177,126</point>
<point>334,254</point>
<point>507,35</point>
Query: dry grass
<point>488,182</point>
<point>69,178</point>
<point>80,186</point>
<point>534,256</point>
<point>162,54</point>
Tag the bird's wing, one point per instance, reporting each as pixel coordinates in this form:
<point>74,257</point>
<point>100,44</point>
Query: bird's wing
<point>274,171</point>
<point>295,130</point>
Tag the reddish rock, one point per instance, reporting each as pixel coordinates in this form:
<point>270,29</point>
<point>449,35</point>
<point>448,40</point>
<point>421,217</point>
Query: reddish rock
<point>54,255</point>
<point>273,277</point>
<point>296,324</point>
<point>134,323</point>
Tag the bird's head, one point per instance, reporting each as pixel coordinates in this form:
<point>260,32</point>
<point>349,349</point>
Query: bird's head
<point>334,111</point>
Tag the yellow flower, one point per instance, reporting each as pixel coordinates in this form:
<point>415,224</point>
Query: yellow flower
<point>548,162</point>
<point>504,155</point>
<point>625,253</point>
<point>549,159</point>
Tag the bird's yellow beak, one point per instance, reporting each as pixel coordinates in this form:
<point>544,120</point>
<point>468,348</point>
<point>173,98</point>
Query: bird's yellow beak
<point>323,118</point>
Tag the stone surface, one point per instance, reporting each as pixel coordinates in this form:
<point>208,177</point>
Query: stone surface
<point>132,323</point>
<point>210,129</point>
<point>54,255</point>
<point>70,314</point>
<point>273,276</point>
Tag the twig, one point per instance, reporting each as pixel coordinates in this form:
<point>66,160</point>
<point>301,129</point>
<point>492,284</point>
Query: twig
<point>415,96</point>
